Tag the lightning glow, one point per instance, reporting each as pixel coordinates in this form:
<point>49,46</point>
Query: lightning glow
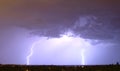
<point>83,57</point>
<point>65,39</point>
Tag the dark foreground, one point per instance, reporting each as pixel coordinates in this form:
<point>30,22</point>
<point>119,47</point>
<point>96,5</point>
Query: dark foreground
<point>59,68</point>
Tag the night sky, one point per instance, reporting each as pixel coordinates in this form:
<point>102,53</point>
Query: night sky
<point>63,28</point>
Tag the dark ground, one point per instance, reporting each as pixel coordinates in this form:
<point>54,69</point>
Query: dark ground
<point>59,68</point>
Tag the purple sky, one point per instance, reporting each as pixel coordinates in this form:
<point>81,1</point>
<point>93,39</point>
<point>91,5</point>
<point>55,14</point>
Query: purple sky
<point>95,22</point>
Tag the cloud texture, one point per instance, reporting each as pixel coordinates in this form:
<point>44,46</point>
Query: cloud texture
<point>90,19</point>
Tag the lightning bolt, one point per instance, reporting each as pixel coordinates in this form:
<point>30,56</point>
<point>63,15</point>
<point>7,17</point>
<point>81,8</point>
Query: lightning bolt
<point>31,52</point>
<point>83,57</point>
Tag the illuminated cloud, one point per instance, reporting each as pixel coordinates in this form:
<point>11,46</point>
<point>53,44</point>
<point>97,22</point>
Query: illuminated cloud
<point>90,19</point>
<point>65,50</point>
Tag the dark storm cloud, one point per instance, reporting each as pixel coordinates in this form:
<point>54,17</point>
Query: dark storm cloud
<point>95,19</point>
